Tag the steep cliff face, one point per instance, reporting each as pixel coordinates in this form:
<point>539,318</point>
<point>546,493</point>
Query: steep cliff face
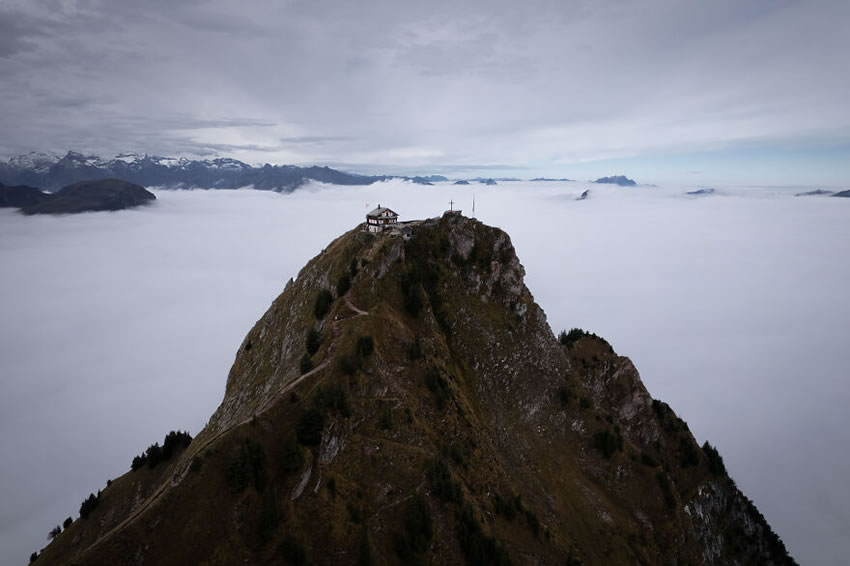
<point>405,401</point>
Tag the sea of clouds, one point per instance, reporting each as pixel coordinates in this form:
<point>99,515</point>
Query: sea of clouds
<point>118,327</point>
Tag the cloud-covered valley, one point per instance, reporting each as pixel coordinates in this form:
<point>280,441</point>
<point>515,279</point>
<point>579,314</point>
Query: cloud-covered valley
<point>118,327</point>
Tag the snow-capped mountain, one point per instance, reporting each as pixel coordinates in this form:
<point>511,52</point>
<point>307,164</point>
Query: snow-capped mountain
<point>51,172</point>
<point>36,161</point>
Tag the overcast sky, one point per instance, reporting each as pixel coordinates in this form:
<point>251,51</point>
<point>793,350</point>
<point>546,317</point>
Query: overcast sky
<point>728,91</point>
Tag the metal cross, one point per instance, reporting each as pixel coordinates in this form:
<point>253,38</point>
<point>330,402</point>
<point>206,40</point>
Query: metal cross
<point>451,205</point>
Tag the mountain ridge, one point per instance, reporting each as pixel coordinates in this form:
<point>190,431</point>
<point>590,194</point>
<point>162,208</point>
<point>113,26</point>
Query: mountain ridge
<point>91,196</point>
<point>405,400</point>
<point>51,172</point>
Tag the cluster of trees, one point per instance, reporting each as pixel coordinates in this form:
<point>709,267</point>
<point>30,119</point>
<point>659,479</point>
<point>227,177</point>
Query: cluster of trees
<point>569,338</point>
<point>417,531</point>
<point>309,427</point>
<point>305,364</point>
<point>292,458</point>
<point>155,453</point>
<point>411,288</point>
<point>667,418</point>
<point>311,423</point>
<point>343,284</point>
<point>314,340</point>
<point>575,334</point>
<point>715,461</point>
<point>55,531</point>
<point>364,347</point>
<point>332,398</point>
<point>269,515</point>
<point>439,386</point>
<point>608,442</point>
<point>666,489</point>
<point>247,467</point>
<point>89,504</point>
<point>689,452</point>
<point>478,548</point>
<point>325,299</point>
<point>323,303</point>
<point>421,277</point>
<point>510,507</point>
<point>312,343</point>
<point>442,482</point>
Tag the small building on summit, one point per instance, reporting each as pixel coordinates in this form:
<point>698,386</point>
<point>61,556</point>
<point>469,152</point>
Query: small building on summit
<point>380,219</point>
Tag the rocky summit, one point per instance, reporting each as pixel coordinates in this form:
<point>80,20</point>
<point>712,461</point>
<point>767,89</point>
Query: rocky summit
<point>404,401</point>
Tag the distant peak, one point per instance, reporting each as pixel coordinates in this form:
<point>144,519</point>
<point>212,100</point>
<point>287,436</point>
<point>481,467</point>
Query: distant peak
<point>621,180</point>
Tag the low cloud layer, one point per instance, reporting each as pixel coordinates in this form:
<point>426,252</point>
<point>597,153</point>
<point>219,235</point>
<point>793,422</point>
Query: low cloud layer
<point>544,85</point>
<point>118,327</point>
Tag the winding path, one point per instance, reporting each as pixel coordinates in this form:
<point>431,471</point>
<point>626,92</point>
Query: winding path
<point>349,304</point>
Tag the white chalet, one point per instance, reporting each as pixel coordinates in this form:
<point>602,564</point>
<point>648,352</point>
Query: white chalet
<point>380,219</point>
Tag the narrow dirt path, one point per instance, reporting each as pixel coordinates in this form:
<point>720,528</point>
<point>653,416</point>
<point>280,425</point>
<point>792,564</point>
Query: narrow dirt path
<point>179,475</point>
<point>350,305</point>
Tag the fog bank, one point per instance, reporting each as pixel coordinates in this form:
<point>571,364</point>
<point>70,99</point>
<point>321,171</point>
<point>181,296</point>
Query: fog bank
<point>118,327</point>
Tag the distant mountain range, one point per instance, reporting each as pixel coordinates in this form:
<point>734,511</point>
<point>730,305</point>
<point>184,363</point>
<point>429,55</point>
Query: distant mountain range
<point>51,172</point>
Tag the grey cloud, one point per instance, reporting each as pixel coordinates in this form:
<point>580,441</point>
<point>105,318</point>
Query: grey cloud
<point>18,31</point>
<point>211,148</point>
<point>188,123</point>
<point>472,169</point>
<point>316,139</point>
<point>422,83</point>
